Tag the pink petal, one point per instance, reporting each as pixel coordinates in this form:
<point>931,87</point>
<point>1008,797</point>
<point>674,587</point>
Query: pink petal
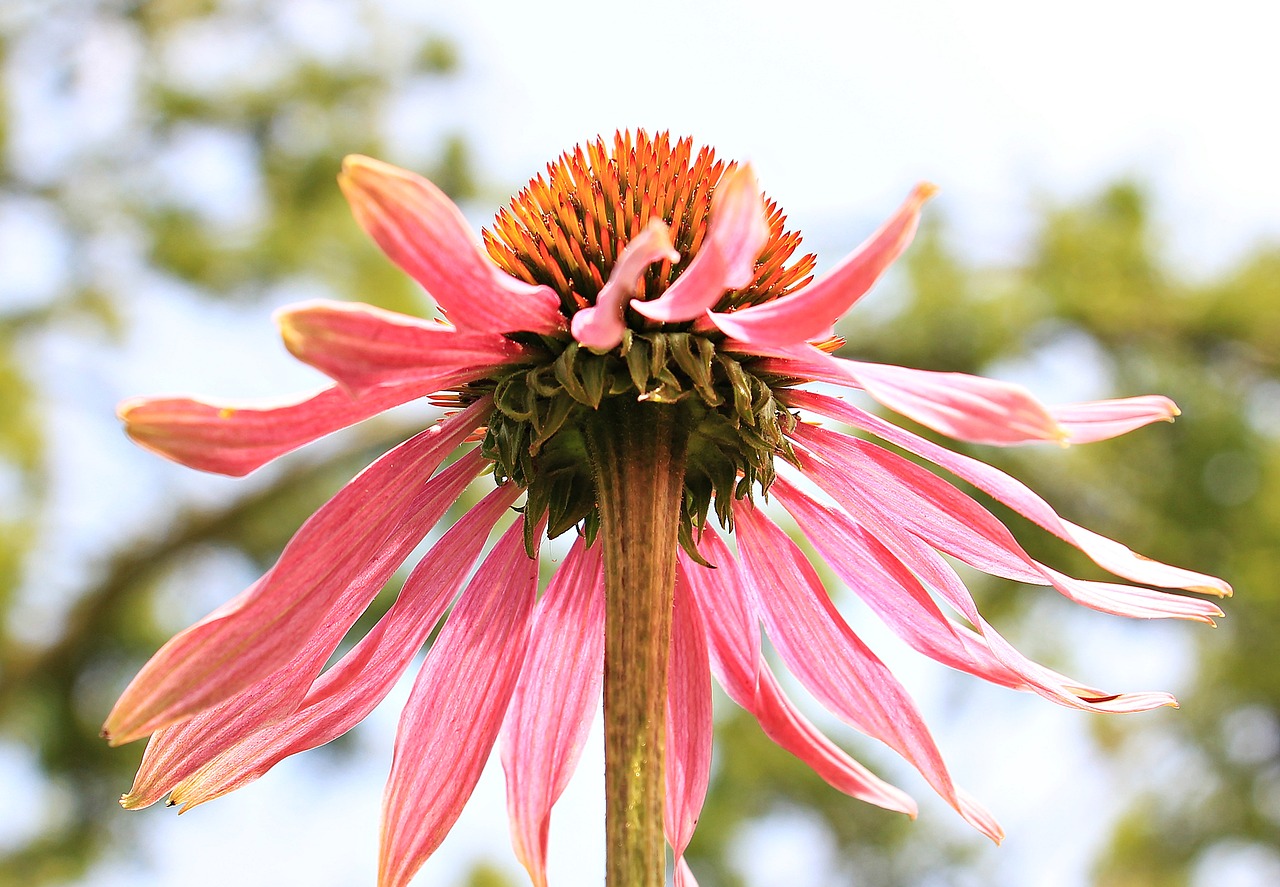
<point>235,438</point>
<point>732,624</point>
<point>1105,419</point>
<point>363,347</point>
<point>688,767</point>
<point>202,765</point>
<point>892,589</point>
<point>684,877</point>
<point>964,407</point>
<point>456,708</point>
<point>738,231</point>
<point>909,496</point>
<point>733,635</point>
<point>1105,552</point>
<point>601,326</point>
<point>829,659</point>
<point>361,534</point>
<point>421,230</point>
<point>958,405</point>
<point>554,702</point>
<point>810,312</point>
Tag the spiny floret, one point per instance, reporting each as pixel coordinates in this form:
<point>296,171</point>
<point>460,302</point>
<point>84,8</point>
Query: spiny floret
<point>566,230</point>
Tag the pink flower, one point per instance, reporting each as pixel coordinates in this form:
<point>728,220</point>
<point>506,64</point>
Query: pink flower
<point>638,270</point>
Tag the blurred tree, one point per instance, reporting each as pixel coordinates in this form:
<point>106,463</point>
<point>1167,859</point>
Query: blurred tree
<point>180,150</point>
<point>187,148</point>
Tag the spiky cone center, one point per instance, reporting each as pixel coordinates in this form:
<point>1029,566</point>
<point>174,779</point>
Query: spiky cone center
<point>566,230</point>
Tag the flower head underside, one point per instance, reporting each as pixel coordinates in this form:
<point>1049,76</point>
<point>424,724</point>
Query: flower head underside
<point>643,273</point>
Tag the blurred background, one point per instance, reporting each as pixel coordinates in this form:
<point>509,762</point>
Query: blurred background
<point>1108,226</point>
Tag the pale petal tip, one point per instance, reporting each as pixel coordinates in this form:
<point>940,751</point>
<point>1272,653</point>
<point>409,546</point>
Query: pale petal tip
<point>924,191</point>
<point>289,332</point>
<point>111,735</point>
<point>127,406</point>
<point>353,164</point>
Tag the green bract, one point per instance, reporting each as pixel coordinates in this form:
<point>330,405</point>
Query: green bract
<point>535,437</point>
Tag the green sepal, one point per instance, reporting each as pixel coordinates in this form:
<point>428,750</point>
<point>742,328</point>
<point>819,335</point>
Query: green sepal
<point>685,537</point>
<point>566,374</point>
<point>696,366</point>
<point>638,366</point>
<point>550,419</point>
<point>596,379</point>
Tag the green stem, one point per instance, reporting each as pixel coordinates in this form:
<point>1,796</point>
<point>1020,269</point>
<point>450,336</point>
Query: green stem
<point>637,451</point>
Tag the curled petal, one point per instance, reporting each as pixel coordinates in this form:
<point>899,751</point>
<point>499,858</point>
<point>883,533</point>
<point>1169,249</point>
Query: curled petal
<point>235,438</point>
<point>684,877</point>
<point>366,530</point>
<point>810,312</point>
<point>688,754</point>
<point>422,231</point>
<point>961,406</point>
<point>738,231</point>
<point>1105,419</point>
<point>889,589</point>
<point>831,661</point>
<point>1107,553</point>
<point>733,638</point>
<point>869,480</point>
<point>555,699</point>
<point>363,347</point>
<point>201,766</point>
<point>601,325</point>
<point>965,407</point>
<point>892,588</point>
<point>455,709</point>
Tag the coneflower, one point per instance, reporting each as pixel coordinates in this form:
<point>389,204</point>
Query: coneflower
<point>625,354</point>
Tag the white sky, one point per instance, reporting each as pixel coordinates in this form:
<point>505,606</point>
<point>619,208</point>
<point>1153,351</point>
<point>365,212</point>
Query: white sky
<point>843,106</point>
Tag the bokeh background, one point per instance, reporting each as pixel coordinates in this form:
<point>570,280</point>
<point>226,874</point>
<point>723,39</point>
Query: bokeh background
<point>1108,225</point>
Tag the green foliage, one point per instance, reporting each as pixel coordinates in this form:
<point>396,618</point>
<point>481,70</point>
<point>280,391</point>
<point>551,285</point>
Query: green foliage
<point>1095,287</point>
<point>137,210</point>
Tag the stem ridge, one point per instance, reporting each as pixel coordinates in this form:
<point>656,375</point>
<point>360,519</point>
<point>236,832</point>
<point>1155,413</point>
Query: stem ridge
<point>637,452</point>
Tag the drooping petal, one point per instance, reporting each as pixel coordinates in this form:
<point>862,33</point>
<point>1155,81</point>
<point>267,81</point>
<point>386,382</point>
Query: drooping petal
<point>232,751</point>
<point>830,660</point>
<point>601,325</point>
<point>874,480</point>
<point>782,722</point>
<point>363,347</point>
<point>361,534</point>
<point>958,405</point>
<point>1105,419</point>
<point>684,876</point>
<point>892,592</point>
<point>965,407</point>
<point>1107,553</point>
<point>234,438</point>
<point>732,624</point>
<point>810,312</point>
<point>688,757</point>
<point>733,637</point>
<point>421,230</point>
<point>456,708</point>
<point>896,594</point>
<point>555,699</point>
<point>737,232</point>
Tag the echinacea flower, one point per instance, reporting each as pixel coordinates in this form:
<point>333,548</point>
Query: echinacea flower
<point>627,353</point>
